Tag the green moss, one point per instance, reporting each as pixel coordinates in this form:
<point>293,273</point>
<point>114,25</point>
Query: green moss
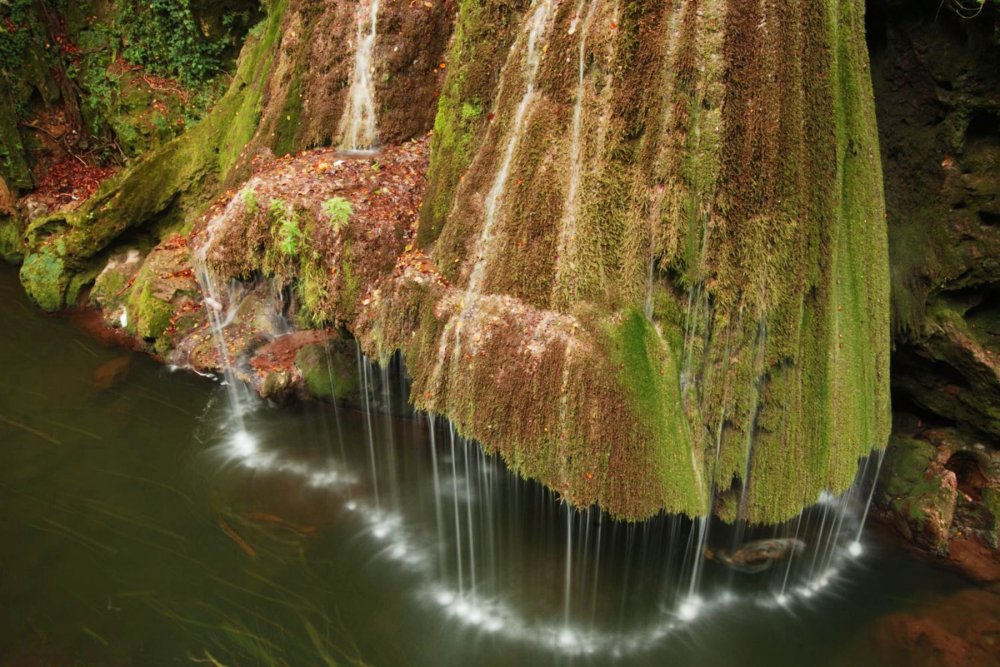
<point>348,298</point>
<point>14,168</point>
<point>905,465</point>
<point>754,229</point>
<point>313,291</point>
<point>650,374</point>
<point>328,374</point>
<point>991,503</point>
<point>108,288</point>
<point>164,188</point>
<point>484,30</point>
<point>148,315</point>
<point>11,249</point>
<point>44,277</point>
<point>288,122</point>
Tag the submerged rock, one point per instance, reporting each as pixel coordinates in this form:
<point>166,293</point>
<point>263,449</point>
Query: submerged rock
<point>957,631</point>
<point>758,556</point>
<point>112,373</point>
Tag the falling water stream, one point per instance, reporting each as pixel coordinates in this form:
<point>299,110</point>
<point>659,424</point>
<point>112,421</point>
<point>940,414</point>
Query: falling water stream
<point>144,525</point>
<point>359,125</point>
<point>537,23</point>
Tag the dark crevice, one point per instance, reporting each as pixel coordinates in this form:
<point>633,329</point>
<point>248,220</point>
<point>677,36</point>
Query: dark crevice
<point>983,124</point>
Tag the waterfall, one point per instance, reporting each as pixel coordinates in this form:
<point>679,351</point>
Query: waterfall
<point>567,231</point>
<point>221,309</point>
<point>496,555</point>
<point>359,124</point>
<point>537,23</point>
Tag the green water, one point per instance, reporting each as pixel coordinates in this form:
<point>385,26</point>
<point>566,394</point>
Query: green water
<point>125,538</point>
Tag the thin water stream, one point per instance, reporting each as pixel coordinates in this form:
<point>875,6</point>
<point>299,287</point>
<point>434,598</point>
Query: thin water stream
<point>141,525</point>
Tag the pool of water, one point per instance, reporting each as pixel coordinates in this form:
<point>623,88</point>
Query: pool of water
<point>142,526</point>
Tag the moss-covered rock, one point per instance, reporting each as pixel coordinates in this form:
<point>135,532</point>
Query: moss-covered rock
<point>601,174</point>
<point>11,246</point>
<point>330,371</point>
<point>920,492</point>
<point>991,503</point>
<point>45,278</point>
<point>163,188</point>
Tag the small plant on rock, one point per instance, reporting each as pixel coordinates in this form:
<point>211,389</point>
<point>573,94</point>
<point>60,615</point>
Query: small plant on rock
<point>249,199</point>
<point>289,232</point>
<point>339,211</point>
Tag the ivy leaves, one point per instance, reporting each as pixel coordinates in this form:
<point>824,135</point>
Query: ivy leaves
<point>162,35</point>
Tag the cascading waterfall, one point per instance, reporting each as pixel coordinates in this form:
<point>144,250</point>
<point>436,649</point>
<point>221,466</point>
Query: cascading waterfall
<point>495,553</point>
<point>500,555</point>
<point>567,232</point>
<point>359,124</point>
<point>221,309</point>
<point>537,24</point>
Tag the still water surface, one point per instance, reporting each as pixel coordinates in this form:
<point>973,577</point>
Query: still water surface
<point>138,529</point>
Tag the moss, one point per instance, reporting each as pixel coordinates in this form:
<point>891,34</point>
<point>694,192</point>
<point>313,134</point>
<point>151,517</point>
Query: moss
<point>328,373</point>
<point>766,359</point>
<point>164,187</point>
<point>991,503</point>
<point>149,316</point>
<point>288,122</point>
<point>347,299</point>
<point>484,30</point>
<point>11,248</point>
<point>905,465</point>
<point>44,277</point>
<point>651,376</point>
<point>14,168</point>
<point>108,288</point>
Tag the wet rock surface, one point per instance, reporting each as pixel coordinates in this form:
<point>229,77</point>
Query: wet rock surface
<point>278,310</point>
<point>937,91</point>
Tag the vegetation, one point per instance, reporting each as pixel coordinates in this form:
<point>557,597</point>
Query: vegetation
<point>287,219</point>
<point>249,199</point>
<point>339,211</point>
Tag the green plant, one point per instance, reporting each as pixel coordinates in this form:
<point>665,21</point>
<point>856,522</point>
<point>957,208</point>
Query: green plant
<point>289,232</point>
<point>18,25</point>
<point>339,211</point>
<point>162,35</point>
<point>249,199</point>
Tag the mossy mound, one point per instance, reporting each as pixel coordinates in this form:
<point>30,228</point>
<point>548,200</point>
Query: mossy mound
<point>698,186</point>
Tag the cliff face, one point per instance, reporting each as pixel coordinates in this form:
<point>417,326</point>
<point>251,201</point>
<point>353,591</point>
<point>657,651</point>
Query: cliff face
<point>650,268</point>
<point>937,90</point>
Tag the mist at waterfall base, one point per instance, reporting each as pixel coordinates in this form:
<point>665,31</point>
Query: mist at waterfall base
<point>150,524</point>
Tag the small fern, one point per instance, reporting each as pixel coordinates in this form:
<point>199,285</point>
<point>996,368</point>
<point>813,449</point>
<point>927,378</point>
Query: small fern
<point>339,211</point>
<point>289,233</point>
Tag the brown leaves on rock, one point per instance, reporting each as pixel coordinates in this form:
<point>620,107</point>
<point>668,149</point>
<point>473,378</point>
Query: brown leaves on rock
<point>67,183</point>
